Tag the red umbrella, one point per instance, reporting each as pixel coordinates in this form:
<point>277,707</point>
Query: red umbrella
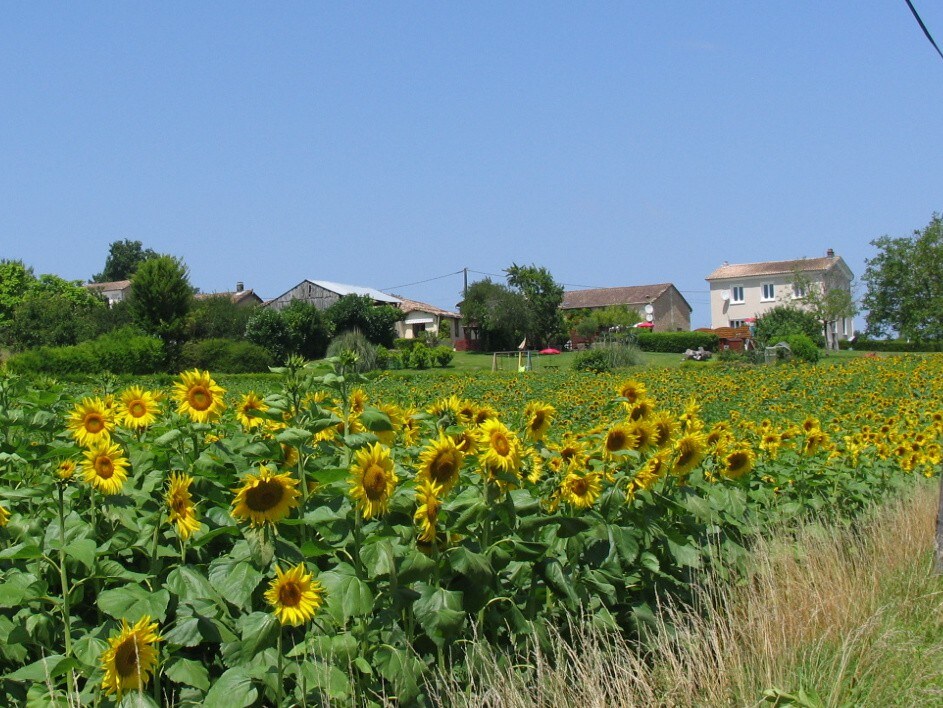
<point>549,350</point>
<point>647,325</point>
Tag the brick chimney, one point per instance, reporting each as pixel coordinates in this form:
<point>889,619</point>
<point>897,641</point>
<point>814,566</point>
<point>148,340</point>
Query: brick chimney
<point>239,286</point>
<point>830,253</point>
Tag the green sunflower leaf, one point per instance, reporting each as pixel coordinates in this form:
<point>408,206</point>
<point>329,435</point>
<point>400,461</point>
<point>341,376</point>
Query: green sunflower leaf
<point>440,613</point>
<point>233,689</point>
<point>234,580</point>
<point>346,595</point>
<point>133,602</point>
<point>188,672</point>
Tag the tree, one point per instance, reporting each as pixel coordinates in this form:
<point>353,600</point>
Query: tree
<point>309,329</point>
<point>905,285</point>
<point>15,280</point>
<point>587,323</point>
<point>267,328</point>
<point>358,313</point>
<point>218,317</point>
<point>54,312</point>
<point>784,321</point>
<point>828,301</point>
<point>501,315</point>
<point>543,296</point>
<point>161,298</point>
<point>123,260</point>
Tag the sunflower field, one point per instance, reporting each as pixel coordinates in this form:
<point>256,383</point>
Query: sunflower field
<point>321,538</point>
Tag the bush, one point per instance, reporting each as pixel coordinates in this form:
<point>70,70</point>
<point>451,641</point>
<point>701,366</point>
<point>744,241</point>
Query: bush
<point>365,350</point>
<point>443,355</point>
<point>124,351</point>
<point>225,356</point>
<point>419,357</point>
<point>784,320</point>
<point>675,342</point>
<point>595,360</point>
<point>803,348</point>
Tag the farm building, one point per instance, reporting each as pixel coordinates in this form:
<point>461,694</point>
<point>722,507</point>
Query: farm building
<point>240,296</point>
<point>422,318</point>
<point>663,304</point>
<point>324,293</point>
<point>113,292</point>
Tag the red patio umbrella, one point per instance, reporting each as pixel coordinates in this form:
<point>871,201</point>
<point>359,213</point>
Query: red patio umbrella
<point>647,325</point>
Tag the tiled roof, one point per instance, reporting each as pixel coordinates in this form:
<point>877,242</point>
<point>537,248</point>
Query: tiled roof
<point>237,296</point>
<point>114,285</point>
<point>604,297</point>
<point>746,270</point>
<point>407,305</point>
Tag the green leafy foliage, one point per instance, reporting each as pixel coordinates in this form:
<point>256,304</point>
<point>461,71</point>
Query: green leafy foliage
<point>675,342</point>
<point>784,320</point>
<point>226,356</point>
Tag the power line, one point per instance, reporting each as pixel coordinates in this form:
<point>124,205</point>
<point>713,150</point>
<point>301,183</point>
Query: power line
<point>420,282</point>
<point>926,32</point>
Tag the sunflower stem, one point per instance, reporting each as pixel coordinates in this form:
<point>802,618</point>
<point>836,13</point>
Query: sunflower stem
<point>278,653</point>
<point>63,576</point>
<point>358,539</point>
<point>155,540</point>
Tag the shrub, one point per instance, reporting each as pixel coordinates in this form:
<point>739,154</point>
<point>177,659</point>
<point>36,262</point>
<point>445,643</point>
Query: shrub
<point>595,360</point>
<point>803,348</point>
<point>783,320</point>
<point>365,350</point>
<point>124,351</point>
<point>890,345</point>
<point>225,356</point>
<point>443,355</point>
<point>419,357</point>
<point>675,342</point>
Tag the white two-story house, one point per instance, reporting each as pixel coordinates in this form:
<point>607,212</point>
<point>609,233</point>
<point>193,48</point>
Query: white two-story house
<point>742,292</point>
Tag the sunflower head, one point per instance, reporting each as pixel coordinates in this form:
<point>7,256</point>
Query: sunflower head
<point>4,517</point>
<point>131,657</point>
<point>65,470</point>
<point>265,498</point>
<point>139,408</point>
<point>429,503</point>
<point>198,396</point>
<point>619,437</point>
<point>441,462</point>
<point>500,447</point>
<point>537,419</point>
<point>294,595</point>
<point>581,490</point>
<point>181,511</point>
<point>632,391</point>
<point>738,463</point>
<point>105,467</point>
<point>91,421</point>
<point>689,450</point>
<point>248,408</point>
<point>373,479</point>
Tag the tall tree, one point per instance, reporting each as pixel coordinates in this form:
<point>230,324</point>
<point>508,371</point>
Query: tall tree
<point>161,298</point>
<point>16,278</point>
<point>829,301</point>
<point>501,315</point>
<point>543,296</point>
<point>905,285</point>
<point>358,313</point>
<point>123,260</point>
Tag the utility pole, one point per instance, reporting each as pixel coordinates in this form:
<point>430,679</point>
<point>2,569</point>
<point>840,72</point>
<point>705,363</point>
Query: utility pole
<point>465,285</point>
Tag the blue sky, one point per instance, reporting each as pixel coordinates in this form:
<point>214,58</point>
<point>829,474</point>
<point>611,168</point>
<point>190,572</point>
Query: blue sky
<point>383,144</point>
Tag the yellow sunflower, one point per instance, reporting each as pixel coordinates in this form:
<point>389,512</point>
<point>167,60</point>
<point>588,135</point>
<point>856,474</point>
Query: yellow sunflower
<point>501,447</point>
<point>182,511</point>
<point>4,517</point>
<point>248,405</point>
<point>91,421</point>
<point>294,595</point>
<point>632,391</point>
<point>373,480</point>
<point>620,437</point>
<point>198,396</point>
<point>441,462</point>
<point>65,470</point>
<point>537,419</point>
<point>428,495</point>
<point>131,657</point>
<point>581,490</point>
<point>665,429</point>
<point>738,463</point>
<point>105,467</point>
<point>653,470</point>
<point>139,408</point>
<point>689,450</point>
<point>265,497</point>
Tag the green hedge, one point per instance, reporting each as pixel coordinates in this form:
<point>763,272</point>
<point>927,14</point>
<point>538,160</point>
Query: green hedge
<point>124,351</point>
<point>890,345</point>
<point>225,356</point>
<point>675,342</point>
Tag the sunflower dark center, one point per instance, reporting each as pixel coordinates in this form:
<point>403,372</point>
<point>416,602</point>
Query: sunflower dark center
<point>265,496</point>
<point>500,444</point>
<point>137,409</point>
<point>200,399</point>
<point>179,504</point>
<point>442,468</point>
<point>538,420</point>
<point>126,658</point>
<point>289,594</point>
<point>615,440</point>
<point>104,467</point>
<point>94,423</point>
<point>580,487</point>
<point>374,483</point>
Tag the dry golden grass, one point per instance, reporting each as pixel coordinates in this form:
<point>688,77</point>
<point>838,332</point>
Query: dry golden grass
<point>827,617</point>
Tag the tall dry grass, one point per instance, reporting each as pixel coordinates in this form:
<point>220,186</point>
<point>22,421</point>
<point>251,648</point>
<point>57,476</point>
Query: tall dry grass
<point>828,616</point>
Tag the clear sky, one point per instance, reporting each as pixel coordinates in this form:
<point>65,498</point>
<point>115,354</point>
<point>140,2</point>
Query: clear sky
<point>383,144</point>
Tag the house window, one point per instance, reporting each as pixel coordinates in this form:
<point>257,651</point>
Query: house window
<point>736,293</point>
<point>798,291</point>
<point>737,323</point>
<point>769,292</point>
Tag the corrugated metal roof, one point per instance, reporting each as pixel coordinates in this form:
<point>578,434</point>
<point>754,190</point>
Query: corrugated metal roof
<point>342,289</point>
